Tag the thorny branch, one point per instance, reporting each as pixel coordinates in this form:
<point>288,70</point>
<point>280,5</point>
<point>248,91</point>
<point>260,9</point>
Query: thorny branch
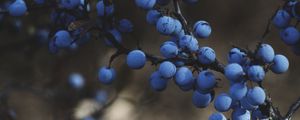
<point>267,108</point>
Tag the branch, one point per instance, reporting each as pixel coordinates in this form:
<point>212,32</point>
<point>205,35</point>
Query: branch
<point>181,18</point>
<point>293,108</point>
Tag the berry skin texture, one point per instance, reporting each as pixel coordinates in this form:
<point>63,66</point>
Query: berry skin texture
<point>157,83</point>
<point>236,56</point>
<point>145,4</point>
<point>222,102</point>
<point>290,35</point>
<point>17,8</point>
<point>167,69</point>
<point>178,27</point>
<point>125,25</point>
<point>62,39</point>
<point>234,72</point>
<point>281,19</point>
<point>169,49</point>
<point>201,100</point>
<point>256,73</point>
<point>184,77</point>
<point>153,16</point>
<point>189,42</point>
<point>280,64</point>
<point>103,10</point>
<point>202,29</point>
<point>217,116</point>
<point>265,53</point>
<point>106,75</point>
<point>206,55</point>
<point>237,91</point>
<point>206,80</point>
<point>240,114</point>
<point>165,25</point>
<point>256,96</point>
<point>136,59</point>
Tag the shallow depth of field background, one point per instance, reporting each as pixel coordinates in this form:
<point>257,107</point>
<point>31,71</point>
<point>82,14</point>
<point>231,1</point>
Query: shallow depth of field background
<point>38,81</point>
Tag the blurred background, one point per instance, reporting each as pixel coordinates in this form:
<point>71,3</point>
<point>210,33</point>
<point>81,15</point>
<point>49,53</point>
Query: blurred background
<point>34,84</point>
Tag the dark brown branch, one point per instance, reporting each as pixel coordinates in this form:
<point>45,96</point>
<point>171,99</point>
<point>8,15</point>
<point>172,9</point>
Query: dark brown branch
<point>293,108</point>
<point>181,18</point>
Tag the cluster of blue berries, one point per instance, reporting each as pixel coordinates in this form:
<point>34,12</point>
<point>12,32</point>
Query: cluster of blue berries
<point>283,19</point>
<point>183,60</point>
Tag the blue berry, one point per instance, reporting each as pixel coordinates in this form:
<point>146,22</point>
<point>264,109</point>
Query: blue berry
<point>62,39</point>
<point>103,10</point>
<point>236,56</point>
<point>125,25</point>
<point>290,35</point>
<point>184,77</point>
<point>280,64</point>
<point>256,73</point>
<point>106,75</point>
<point>157,82</point>
<point>136,59</point>
<point>201,100</point>
<point>234,72</point>
<point>180,34</point>
<point>206,55</point>
<point>206,80</point>
<point>240,114</point>
<point>281,19</point>
<point>202,29</point>
<point>189,42</point>
<point>165,25</point>
<point>145,4</point>
<point>222,102</point>
<point>217,116</point>
<point>76,80</point>
<point>237,91</point>
<point>169,50</point>
<point>153,16</point>
<point>17,8</point>
<point>178,27</point>
<point>265,53</point>
<point>256,96</point>
<point>167,69</point>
